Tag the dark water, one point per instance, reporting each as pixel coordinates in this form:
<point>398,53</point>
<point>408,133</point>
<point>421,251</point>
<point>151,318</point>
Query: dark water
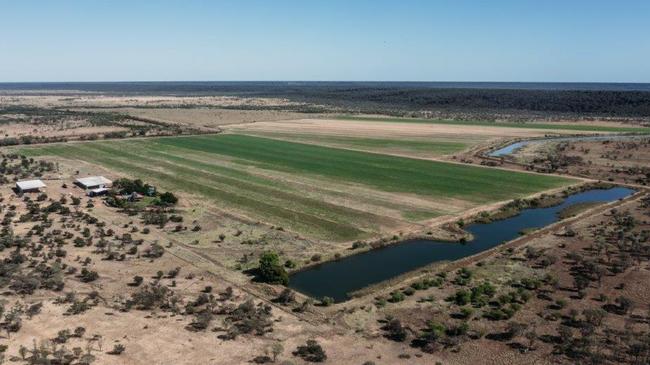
<point>338,278</point>
<point>514,147</point>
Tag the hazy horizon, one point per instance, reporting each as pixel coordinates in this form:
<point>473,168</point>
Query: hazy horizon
<point>364,41</point>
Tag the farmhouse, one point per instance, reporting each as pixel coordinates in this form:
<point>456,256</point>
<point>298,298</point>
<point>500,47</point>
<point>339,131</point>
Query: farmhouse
<point>93,182</point>
<point>29,186</point>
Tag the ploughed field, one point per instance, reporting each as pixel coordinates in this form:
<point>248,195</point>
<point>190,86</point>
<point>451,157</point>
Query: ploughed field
<point>576,127</point>
<point>320,192</point>
<point>412,137</point>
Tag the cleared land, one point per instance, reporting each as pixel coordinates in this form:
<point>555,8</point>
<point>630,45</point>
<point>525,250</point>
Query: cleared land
<point>428,140</point>
<point>585,127</point>
<point>208,117</point>
<point>321,192</point>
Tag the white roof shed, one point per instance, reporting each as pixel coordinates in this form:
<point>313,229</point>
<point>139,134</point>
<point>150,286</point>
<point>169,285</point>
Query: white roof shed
<point>27,185</point>
<point>92,182</point>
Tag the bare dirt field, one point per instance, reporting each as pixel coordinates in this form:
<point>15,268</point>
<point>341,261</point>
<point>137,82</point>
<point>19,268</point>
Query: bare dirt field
<point>409,139</point>
<point>73,130</point>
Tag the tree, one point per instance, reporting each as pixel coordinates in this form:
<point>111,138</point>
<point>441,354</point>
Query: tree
<point>581,282</point>
<point>286,296</point>
<point>168,199</point>
<point>311,352</point>
<point>270,269</point>
<point>514,329</point>
<point>594,317</point>
<point>395,330</point>
<point>624,304</point>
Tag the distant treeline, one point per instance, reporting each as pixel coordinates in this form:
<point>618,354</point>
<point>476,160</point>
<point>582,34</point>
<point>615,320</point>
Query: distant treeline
<point>570,102</point>
<point>399,98</point>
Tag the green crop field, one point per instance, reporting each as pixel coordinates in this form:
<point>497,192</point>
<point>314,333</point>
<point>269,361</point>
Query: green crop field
<point>531,125</point>
<point>412,146</point>
<point>322,192</point>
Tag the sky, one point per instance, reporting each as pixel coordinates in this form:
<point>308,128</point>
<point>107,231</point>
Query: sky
<point>325,40</point>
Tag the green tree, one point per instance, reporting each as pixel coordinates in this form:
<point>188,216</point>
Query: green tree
<point>168,198</point>
<point>270,269</point>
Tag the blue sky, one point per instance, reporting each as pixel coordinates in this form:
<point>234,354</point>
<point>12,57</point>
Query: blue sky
<point>400,40</point>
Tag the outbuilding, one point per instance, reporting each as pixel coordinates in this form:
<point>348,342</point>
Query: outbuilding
<point>93,182</point>
<point>29,186</point>
<point>97,192</point>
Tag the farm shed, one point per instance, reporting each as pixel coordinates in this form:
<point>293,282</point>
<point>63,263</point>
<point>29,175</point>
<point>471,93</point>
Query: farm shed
<point>29,186</point>
<point>93,182</point>
<point>97,192</point>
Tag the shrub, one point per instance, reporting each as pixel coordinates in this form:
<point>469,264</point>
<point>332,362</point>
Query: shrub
<point>249,318</point>
<point>466,312</point>
<point>153,217</point>
<point>396,296</point>
<point>137,280</point>
<point>152,296</point>
<point>154,251</point>
<point>459,330</point>
<point>168,199</point>
<point>286,296</point>
<point>358,244</point>
<point>289,264</point>
<point>461,297</point>
<point>88,276</point>
<point>395,331</point>
<point>117,349</point>
<point>463,277</point>
<point>311,352</point>
<point>434,331</point>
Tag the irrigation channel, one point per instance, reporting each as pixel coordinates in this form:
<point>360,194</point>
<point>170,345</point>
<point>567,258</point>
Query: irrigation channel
<point>515,146</point>
<point>336,279</point>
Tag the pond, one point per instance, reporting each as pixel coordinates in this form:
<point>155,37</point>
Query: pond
<point>336,279</point>
<point>515,146</point>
